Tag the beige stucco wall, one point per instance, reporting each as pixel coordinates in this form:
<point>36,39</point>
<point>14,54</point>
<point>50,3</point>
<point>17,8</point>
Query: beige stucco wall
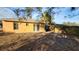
<point>56,30</point>
<point>8,26</point>
<point>41,28</point>
<point>22,28</point>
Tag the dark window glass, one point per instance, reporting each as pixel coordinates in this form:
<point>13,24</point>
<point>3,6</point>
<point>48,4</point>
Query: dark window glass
<point>1,25</point>
<point>15,25</point>
<point>37,27</point>
<point>27,24</point>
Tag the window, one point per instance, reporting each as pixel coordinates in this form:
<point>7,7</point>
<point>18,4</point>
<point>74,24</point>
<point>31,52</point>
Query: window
<point>15,25</point>
<point>37,27</point>
<point>34,27</point>
<point>1,25</point>
<point>27,24</point>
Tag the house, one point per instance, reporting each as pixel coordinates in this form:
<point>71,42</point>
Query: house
<point>21,26</point>
<point>11,25</point>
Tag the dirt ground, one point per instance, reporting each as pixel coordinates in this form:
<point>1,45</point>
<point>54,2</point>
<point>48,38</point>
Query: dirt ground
<point>48,41</point>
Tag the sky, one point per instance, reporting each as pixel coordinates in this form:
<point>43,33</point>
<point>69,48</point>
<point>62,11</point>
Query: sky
<point>66,15</point>
<point>61,14</point>
<point>7,13</point>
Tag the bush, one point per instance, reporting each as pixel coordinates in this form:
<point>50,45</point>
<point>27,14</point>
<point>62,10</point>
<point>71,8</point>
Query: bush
<point>72,30</point>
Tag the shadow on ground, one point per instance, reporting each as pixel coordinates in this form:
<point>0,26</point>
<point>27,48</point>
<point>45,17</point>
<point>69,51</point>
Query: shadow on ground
<point>52,42</point>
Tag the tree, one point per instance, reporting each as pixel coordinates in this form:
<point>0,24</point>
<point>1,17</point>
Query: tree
<point>38,10</point>
<point>17,13</point>
<point>70,23</point>
<point>28,12</point>
<point>47,17</point>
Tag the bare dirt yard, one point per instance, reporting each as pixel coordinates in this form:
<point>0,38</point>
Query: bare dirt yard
<point>38,41</point>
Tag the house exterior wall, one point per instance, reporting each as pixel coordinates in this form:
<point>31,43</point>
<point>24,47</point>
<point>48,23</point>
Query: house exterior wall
<point>56,30</point>
<point>41,27</point>
<point>23,27</point>
<point>7,26</point>
<point>30,27</point>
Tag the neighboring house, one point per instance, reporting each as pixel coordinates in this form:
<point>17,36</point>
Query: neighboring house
<point>21,26</point>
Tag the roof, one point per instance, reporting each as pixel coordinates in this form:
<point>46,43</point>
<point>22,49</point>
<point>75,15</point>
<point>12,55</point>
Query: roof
<point>24,21</point>
<point>31,20</point>
<point>9,19</point>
